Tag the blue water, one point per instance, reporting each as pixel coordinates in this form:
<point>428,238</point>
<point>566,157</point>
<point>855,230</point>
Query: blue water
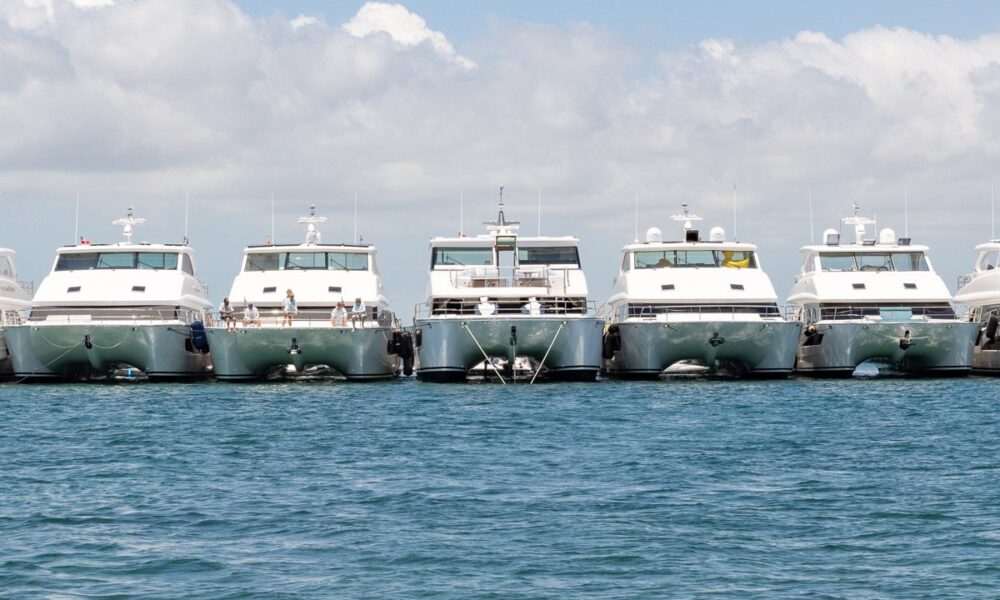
<point>791,489</point>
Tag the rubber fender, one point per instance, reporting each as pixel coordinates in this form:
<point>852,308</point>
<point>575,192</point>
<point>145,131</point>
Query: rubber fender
<point>405,347</point>
<point>418,338</point>
<point>991,327</point>
<point>199,339</point>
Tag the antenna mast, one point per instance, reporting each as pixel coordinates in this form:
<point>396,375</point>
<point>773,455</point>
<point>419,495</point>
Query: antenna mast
<point>734,212</point>
<point>812,229</point>
<point>906,211</point>
<point>993,214</point>
<point>636,240</point>
<point>187,203</point>
<point>272,217</point>
<point>76,224</point>
<point>461,213</point>
<point>355,217</point>
<point>539,212</point>
<point>127,224</point>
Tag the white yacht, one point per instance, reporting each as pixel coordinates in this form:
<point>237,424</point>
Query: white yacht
<point>707,303</point>
<point>108,311</point>
<point>980,291</point>
<point>505,299</point>
<point>13,300</point>
<point>876,299</point>
<point>366,345</point>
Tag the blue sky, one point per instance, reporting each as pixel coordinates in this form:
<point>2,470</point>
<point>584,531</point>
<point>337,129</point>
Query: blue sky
<point>664,24</point>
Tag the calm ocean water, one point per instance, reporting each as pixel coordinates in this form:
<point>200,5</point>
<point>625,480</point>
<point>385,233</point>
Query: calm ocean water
<point>790,489</point>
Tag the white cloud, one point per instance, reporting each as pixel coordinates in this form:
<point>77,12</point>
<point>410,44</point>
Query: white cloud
<point>145,101</point>
<point>404,27</point>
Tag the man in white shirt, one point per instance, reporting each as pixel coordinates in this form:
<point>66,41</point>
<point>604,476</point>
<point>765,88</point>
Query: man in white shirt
<point>359,312</point>
<point>485,307</point>
<point>338,317</point>
<point>251,315</point>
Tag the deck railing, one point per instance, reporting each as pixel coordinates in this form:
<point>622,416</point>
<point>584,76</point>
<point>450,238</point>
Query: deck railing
<point>506,307</point>
<point>702,312</point>
<point>524,276</point>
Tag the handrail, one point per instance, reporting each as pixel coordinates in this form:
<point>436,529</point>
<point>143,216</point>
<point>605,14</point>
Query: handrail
<point>887,310</point>
<point>521,276</point>
<point>506,307</point>
<point>652,311</point>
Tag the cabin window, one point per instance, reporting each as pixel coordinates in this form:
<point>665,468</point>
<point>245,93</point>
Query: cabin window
<point>187,265</point>
<point>548,256</point>
<point>160,261</point>
<point>305,260</point>
<point>262,261</point>
<point>82,261</point>
<point>6,267</point>
<point>347,261</point>
<point>874,261</point>
<point>462,257</point>
<point>910,261</point>
<point>660,259</point>
<point>627,262</point>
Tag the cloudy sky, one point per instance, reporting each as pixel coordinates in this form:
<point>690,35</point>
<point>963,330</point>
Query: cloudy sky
<point>146,102</point>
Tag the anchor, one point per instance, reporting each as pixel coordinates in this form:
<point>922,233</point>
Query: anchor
<point>905,342</point>
<point>716,340</point>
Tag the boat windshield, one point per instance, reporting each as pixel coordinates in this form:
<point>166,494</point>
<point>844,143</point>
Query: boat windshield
<point>84,261</point>
<point>660,259</point>
<point>873,261</point>
<point>281,261</point>
<point>462,257</point>
<point>548,256</point>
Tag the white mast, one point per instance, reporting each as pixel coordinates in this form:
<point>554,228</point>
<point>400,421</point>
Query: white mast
<point>993,215</point>
<point>187,203</point>
<point>355,217</point>
<point>76,224</point>
<point>461,213</point>
<point>734,212</point>
<point>812,230</point>
<point>636,241</point>
<point>539,212</point>
<point>906,211</point>
<point>272,218</point>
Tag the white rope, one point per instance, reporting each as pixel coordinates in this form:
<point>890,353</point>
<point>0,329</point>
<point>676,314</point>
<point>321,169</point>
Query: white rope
<point>486,356</point>
<point>46,365</point>
<point>552,343</point>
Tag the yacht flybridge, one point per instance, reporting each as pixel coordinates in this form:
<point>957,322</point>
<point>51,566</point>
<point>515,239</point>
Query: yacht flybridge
<point>500,300</point>
<point>980,291</point>
<point>358,344</point>
<point>707,303</point>
<point>125,310</point>
<point>876,299</point>
<point>13,301</point>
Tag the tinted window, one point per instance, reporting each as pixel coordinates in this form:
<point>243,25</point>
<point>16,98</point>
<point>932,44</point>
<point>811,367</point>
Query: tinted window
<point>548,256</point>
<point>157,260</point>
<point>76,262</point>
<point>6,268</point>
<point>462,256</point>
<point>837,262</point>
<point>660,259</point>
<point>187,265</point>
<point>910,261</point>
<point>305,260</point>
<point>873,262</point>
<point>116,260</point>
<point>263,261</point>
<point>348,261</point>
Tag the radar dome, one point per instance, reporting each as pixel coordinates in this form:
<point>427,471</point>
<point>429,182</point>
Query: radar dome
<point>887,237</point>
<point>653,234</point>
<point>717,234</point>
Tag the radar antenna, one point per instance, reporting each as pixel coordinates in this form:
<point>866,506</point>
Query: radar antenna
<point>859,223</point>
<point>686,216</point>
<point>127,223</point>
<point>312,234</point>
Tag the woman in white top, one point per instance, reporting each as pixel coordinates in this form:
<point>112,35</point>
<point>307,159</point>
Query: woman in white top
<point>288,308</point>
